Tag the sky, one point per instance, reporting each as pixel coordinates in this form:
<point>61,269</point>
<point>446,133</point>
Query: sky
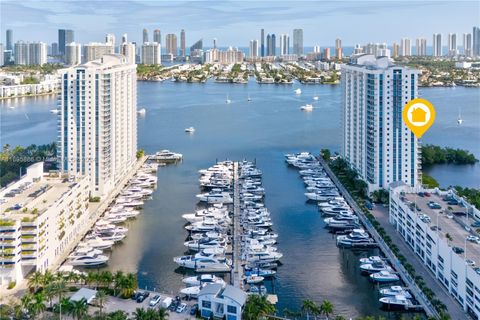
<point>237,22</point>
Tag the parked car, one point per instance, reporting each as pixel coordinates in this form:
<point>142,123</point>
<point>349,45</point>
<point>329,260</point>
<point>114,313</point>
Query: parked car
<point>473,238</point>
<point>470,262</point>
<point>143,295</point>
<point>193,310</point>
<point>181,308</point>
<point>476,224</point>
<point>458,250</point>
<point>154,301</point>
<point>136,294</point>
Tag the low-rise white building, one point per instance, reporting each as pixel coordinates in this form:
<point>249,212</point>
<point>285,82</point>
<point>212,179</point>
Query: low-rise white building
<point>44,87</point>
<point>40,215</point>
<point>225,303</point>
<point>436,225</point>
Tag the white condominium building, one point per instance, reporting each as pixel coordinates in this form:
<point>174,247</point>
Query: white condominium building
<point>95,50</point>
<point>376,142</point>
<point>436,226</point>
<point>39,220</point>
<point>128,50</point>
<point>98,121</point>
<point>151,53</point>
<point>73,54</point>
<point>405,47</point>
<point>30,53</point>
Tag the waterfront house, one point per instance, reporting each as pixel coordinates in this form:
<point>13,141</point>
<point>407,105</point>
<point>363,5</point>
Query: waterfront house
<point>219,302</point>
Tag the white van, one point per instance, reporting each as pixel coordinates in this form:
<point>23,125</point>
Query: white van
<point>167,302</point>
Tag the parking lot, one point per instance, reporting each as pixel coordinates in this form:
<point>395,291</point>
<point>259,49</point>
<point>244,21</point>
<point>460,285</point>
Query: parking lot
<point>130,305</point>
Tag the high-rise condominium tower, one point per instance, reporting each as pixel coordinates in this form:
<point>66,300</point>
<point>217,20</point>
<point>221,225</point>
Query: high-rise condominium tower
<point>437,45</point>
<point>145,35</point>
<point>421,47</point>
<point>73,54</point>
<point>98,121</point>
<point>171,44</point>
<point>34,53</point>
<point>64,36</point>
<point>405,47</point>
<point>128,50</point>
<point>151,53</point>
<point>95,50</point>
<point>452,44</point>
<point>110,39</point>
<point>298,42</point>
<point>157,36</point>
<point>338,49</point>
<point>271,45</point>
<point>183,48</point>
<point>375,140</point>
<point>284,44</point>
<point>467,44</point>
<point>253,48</point>
<point>476,41</point>
<point>9,36</point>
<point>262,43</point>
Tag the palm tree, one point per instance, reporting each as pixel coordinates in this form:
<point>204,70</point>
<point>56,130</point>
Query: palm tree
<point>60,289</point>
<point>101,298</point>
<point>257,307</point>
<point>309,307</point>
<point>326,308</point>
<point>37,306</point>
<point>128,284</point>
<point>140,314</point>
<point>35,281</point>
<point>162,314</point>
<point>50,292</point>
<point>117,279</point>
<point>106,278</point>
<point>26,301</point>
<point>79,309</point>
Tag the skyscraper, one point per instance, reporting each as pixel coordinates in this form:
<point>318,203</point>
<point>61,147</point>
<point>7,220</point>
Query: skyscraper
<point>128,50</point>
<point>452,44</point>
<point>196,49</point>
<point>73,53</point>
<point>326,53</point>
<point>338,49</point>
<point>9,36</point>
<point>262,43</point>
<point>151,53</point>
<point>183,47</point>
<point>396,50</point>
<point>375,140</point>
<point>467,44</point>
<point>157,36</point>
<point>171,44</point>
<point>2,58</point>
<point>405,47</point>
<point>476,42</point>
<point>421,47</point>
<point>298,42</point>
<point>145,35</point>
<point>214,43</point>
<point>271,45</point>
<point>27,53</point>
<point>96,50</point>
<point>124,38</point>
<point>98,121</point>
<point>110,39</point>
<point>54,49</point>
<point>64,36</point>
<point>253,49</point>
<point>284,44</point>
<point>437,45</point>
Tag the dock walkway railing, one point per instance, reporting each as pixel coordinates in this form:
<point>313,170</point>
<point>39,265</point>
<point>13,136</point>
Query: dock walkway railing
<point>406,278</point>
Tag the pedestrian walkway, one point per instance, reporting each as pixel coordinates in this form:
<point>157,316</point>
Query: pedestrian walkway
<point>453,307</point>
<point>237,273</point>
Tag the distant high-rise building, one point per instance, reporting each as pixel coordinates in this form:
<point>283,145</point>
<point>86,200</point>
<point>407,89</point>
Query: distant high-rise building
<point>98,121</point>
<point>271,45</point>
<point>284,44</point>
<point>357,49</point>
<point>372,123</point>
<point>128,50</point>
<point>326,53</point>
<point>396,50</point>
<point>405,47</point>
<point>437,45</point>
<point>214,43</point>
<point>232,55</point>
<point>298,42</point>
<point>27,53</point>
<point>157,36</point>
<point>262,43</point>
<point>64,36</point>
<point>96,50</point>
<point>124,38</point>
<point>183,46</point>
<point>196,49</point>
<point>452,44</point>
<point>476,41</point>
<point>421,47</point>
<point>73,53</point>
<point>376,49</point>
<point>467,44</point>
<point>145,35</point>
<point>171,44</point>
<point>253,49</point>
<point>151,53</point>
<point>2,57</point>
<point>338,49</point>
<point>54,51</point>
<point>9,35</point>
<point>110,39</point>
<point>316,49</point>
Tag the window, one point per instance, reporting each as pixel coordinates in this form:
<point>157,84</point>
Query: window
<point>206,304</point>
<point>231,309</point>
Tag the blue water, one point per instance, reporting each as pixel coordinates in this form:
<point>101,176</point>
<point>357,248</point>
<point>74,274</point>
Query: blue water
<point>261,130</point>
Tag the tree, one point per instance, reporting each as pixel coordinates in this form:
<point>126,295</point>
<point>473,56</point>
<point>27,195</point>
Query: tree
<point>257,307</point>
<point>37,305</point>
<point>35,281</point>
<point>162,314</point>
<point>325,153</point>
<point>101,298</point>
<point>326,308</point>
<point>79,309</point>
<point>140,314</point>
<point>117,280</point>
<point>309,307</point>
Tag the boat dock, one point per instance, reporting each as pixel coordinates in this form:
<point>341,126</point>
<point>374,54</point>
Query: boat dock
<point>236,278</point>
<point>423,301</point>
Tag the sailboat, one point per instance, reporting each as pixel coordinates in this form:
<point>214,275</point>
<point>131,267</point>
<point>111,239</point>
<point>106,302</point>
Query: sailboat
<point>227,101</point>
<point>459,119</point>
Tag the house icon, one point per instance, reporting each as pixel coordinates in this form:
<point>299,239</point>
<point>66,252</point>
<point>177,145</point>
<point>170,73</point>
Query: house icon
<point>419,115</point>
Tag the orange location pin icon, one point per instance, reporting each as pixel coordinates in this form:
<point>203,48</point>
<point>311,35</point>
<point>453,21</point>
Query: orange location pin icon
<point>418,115</point>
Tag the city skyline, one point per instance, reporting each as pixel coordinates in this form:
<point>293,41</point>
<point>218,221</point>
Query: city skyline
<point>232,27</point>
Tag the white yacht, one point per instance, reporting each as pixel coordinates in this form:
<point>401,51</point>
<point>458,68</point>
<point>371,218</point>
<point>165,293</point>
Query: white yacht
<point>307,107</point>
<point>459,119</point>
<point>298,91</point>
<point>315,97</point>
<point>167,155</point>
<point>371,259</point>
<point>357,238</point>
<point>190,130</point>
<point>228,101</point>
<point>55,111</point>
<point>384,276</point>
<point>197,245</point>
<point>202,279</point>
<point>203,264</point>
<point>215,196</point>
<point>141,112</point>
<point>86,256</point>
<point>396,302</point>
<point>97,243</point>
<point>109,236</point>
<point>375,267</point>
<point>254,279</point>
<point>191,292</point>
<point>395,290</point>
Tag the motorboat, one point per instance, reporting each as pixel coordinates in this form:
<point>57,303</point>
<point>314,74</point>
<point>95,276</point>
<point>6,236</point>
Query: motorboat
<point>333,211</point>
<point>384,277</point>
<point>254,279</point>
<point>98,243</point>
<point>342,221</point>
<point>55,111</point>
<point>205,226</point>
<point>356,238</point>
<point>167,155</point>
<point>228,101</point>
<point>307,107</point>
<point>191,292</point>
<point>371,259</point>
<point>197,245</point>
<point>249,98</point>
<point>375,267</point>
<point>209,234</point>
<point>109,236</point>
<point>141,112</point>
<point>258,290</point>
<point>202,264</point>
<point>86,256</point>
<point>315,98</point>
<point>316,196</point>
<point>298,91</point>
<point>261,272</point>
<point>202,279</point>
<point>215,197</point>
<point>398,302</point>
<point>190,130</point>
<point>394,291</point>
<point>264,255</point>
